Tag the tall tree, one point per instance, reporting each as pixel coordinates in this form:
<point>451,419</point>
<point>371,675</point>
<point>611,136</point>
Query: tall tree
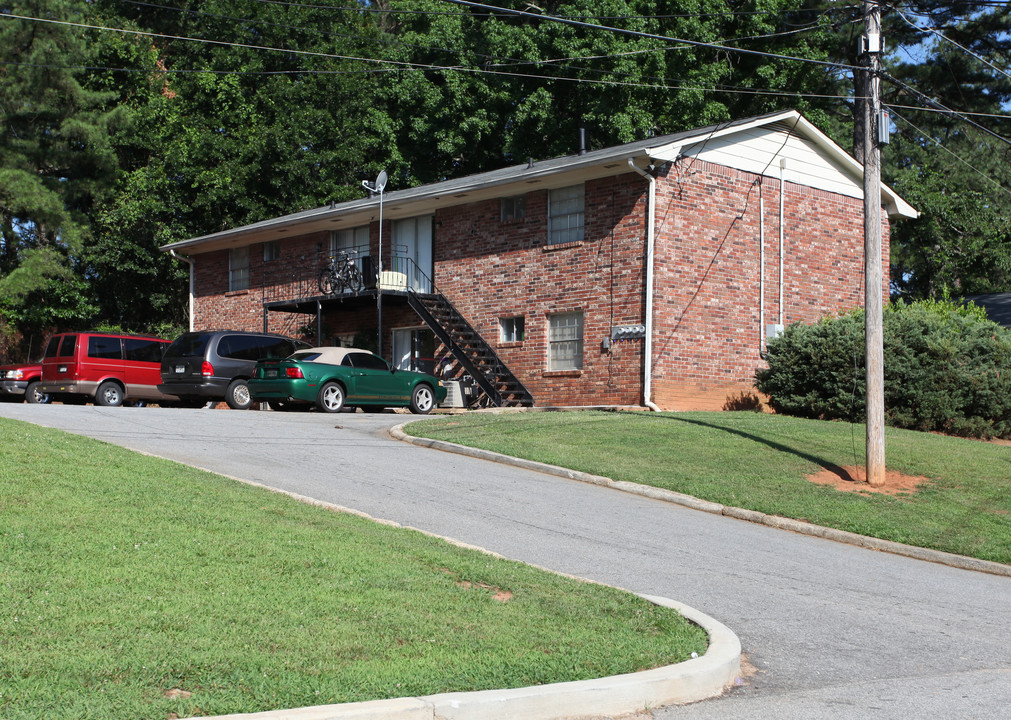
<point>952,166</point>
<point>55,161</point>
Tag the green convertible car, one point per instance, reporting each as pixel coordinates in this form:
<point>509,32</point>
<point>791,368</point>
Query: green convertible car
<point>332,378</point>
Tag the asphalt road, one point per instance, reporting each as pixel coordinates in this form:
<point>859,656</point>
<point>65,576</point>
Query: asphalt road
<point>832,631</point>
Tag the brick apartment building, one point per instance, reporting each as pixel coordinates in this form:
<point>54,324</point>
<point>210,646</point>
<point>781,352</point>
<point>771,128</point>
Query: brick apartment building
<point>643,274</point>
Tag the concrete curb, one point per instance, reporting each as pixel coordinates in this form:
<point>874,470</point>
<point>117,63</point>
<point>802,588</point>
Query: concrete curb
<point>685,682</point>
<point>782,523</point>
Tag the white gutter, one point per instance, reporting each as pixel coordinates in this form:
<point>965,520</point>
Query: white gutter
<point>647,371</point>
<point>188,261</point>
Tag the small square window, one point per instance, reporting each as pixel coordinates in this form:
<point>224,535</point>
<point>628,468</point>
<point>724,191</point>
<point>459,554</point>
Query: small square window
<point>271,250</point>
<point>513,208</point>
<point>510,329</point>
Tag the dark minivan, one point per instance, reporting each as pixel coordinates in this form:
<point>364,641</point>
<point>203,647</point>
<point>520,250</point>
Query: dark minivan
<point>216,364</point>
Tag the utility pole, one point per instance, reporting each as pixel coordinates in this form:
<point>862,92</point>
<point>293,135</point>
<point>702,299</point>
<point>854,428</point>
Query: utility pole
<point>873,322</point>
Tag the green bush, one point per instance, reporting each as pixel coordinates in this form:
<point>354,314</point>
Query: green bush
<point>947,369</point>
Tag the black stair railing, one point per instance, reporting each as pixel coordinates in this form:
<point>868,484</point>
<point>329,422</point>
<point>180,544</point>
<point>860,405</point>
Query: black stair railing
<point>466,345</point>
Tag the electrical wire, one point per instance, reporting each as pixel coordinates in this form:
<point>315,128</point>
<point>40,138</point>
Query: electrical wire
<point>653,36</point>
<point>957,157</point>
<point>508,61</point>
<point>401,64</point>
<point>944,37</point>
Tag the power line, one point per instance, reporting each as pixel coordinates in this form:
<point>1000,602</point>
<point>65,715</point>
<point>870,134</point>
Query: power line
<point>653,36</point>
<point>953,154</point>
<point>403,64</point>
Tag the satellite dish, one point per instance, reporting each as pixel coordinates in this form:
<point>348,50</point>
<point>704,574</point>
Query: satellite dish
<point>381,182</point>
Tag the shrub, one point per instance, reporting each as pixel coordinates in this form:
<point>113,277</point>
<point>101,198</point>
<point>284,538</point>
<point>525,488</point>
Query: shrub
<point>947,369</point>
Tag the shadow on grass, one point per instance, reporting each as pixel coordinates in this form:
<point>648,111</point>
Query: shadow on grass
<point>778,446</point>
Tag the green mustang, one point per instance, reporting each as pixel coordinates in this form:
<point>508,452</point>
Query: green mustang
<point>332,377</point>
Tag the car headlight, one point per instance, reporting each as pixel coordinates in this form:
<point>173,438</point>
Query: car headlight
<point>15,374</point>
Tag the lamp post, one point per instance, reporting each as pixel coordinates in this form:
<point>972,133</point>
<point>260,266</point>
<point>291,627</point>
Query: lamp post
<point>378,187</point>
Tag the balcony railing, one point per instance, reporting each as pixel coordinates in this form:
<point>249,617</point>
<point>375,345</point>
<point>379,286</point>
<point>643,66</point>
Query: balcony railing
<point>297,279</point>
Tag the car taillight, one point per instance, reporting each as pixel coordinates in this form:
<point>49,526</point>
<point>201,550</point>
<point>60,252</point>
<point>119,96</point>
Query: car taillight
<point>294,372</point>
<point>206,369</point>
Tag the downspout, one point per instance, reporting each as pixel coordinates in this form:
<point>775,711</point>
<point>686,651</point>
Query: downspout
<point>782,231</point>
<point>188,261</point>
<point>647,371</point>
<point>761,272</point>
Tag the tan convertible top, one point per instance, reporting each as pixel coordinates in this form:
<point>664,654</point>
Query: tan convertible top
<point>331,355</point>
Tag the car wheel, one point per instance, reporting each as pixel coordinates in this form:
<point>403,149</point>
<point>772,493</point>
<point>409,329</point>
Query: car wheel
<point>34,395</point>
<point>109,394</point>
<point>237,396</point>
<point>422,400</point>
<point>331,398</point>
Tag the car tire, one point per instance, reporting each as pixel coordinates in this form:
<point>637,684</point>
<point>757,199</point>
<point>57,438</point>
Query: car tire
<point>35,396</point>
<point>422,399</point>
<point>109,394</point>
<point>237,396</point>
<point>331,398</point>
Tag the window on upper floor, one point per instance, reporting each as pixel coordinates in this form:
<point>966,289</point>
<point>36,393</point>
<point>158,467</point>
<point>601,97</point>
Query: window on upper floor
<point>352,240</point>
<point>513,208</point>
<point>271,250</point>
<point>238,269</point>
<point>565,341</point>
<point>510,329</point>
<point>566,209</point>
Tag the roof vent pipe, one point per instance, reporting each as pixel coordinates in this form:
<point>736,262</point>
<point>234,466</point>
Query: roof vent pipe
<point>582,141</point>
<point>530,163</point>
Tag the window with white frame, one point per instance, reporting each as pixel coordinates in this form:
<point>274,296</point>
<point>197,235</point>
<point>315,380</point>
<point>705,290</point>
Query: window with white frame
<point>513,208</point>
<point>238,269</point>
<point>566,209</point>
<point>271,250</point>
<point>510,329</point>
<point>565,341</point>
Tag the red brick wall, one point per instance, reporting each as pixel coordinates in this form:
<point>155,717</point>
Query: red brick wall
<point>707,335</point>
<point>708,332</point>
<point>490,270</point>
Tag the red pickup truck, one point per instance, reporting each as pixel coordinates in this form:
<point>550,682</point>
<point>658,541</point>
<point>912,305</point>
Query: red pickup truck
<point>21,381</point>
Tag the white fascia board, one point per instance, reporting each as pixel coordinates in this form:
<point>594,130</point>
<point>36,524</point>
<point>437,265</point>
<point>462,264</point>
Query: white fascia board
<point>895,205</point>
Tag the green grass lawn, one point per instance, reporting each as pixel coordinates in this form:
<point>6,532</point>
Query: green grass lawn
<point>124,578</point>
<point>759,462</point>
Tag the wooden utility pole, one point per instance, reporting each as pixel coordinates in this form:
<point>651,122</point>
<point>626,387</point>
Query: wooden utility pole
<point>874,323</point>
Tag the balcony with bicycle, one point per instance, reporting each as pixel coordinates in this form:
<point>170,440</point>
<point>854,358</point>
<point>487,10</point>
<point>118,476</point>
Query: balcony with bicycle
<point>349,281</point>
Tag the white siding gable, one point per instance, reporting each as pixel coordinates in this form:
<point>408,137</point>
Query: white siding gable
<point>759,150</point>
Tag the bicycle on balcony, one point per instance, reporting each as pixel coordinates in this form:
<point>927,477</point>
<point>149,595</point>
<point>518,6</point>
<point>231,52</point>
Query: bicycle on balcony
<point>340,274</point>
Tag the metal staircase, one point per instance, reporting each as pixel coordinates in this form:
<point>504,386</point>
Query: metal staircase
<point>475,356</point>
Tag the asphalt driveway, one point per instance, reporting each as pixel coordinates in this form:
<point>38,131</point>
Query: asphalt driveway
<point>832,630</point>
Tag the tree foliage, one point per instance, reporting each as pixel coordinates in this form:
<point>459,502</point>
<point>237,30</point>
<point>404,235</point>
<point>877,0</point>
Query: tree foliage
<point>198,116</point>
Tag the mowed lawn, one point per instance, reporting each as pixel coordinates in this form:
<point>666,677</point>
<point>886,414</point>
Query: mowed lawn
<point>132,587</point>
<point>761,462</point>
